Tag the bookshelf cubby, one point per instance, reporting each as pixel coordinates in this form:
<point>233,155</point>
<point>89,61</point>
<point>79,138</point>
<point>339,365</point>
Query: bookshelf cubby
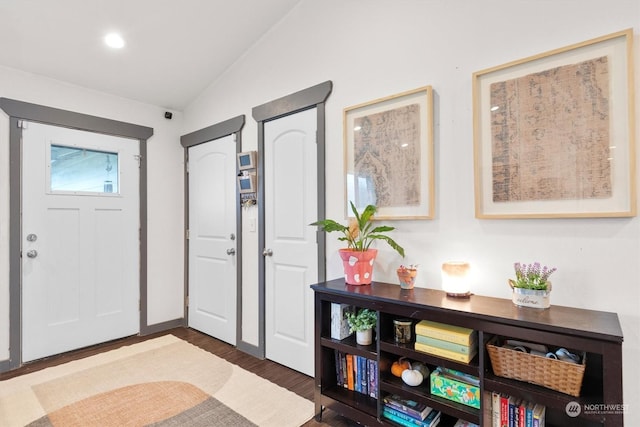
<point>597,333</point>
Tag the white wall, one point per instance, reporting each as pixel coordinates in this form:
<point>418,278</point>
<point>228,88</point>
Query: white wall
<point>376,48</point>
<point>165,186</point>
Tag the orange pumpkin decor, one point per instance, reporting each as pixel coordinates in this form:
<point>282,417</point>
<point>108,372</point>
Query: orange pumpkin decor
<point>398,367</point>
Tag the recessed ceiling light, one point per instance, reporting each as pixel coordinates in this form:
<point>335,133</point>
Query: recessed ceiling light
<point>114,40</point>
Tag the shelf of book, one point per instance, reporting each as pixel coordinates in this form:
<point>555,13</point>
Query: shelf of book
<point>548,417</point>
<point>393,385</point>
<point>533,393</point>
<point>487,317</point>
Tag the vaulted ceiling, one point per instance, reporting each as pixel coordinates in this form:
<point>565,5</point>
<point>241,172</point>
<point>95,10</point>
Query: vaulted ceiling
<point>174,49</point>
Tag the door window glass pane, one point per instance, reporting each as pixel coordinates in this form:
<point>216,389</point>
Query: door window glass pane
<point>83,170</point>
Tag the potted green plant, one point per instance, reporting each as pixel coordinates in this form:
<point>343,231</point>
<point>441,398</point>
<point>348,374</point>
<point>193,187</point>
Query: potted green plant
<point>531,287</point>
<point>362,322</point>
<point>358,256</point>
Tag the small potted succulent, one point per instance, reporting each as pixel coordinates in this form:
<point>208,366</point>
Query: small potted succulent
<point>362,322</point>
<point>531,287</point>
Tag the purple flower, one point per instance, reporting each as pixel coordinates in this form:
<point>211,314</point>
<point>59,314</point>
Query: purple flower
<point>532,276</point>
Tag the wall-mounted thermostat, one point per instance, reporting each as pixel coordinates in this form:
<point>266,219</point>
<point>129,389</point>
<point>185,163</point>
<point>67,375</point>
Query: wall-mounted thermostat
<point>246,160</point>
<point>247,183</point>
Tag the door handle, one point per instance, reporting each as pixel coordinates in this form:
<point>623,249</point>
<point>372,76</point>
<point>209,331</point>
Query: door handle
<point>32,253</point>
<point>267,252</point>
<point>231,251</point>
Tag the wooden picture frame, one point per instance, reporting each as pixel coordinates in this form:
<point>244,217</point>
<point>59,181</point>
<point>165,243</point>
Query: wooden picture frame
<point>388,152</point>
<point>554,133</point>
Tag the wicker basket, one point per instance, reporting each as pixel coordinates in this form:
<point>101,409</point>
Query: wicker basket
<point>555,374</point>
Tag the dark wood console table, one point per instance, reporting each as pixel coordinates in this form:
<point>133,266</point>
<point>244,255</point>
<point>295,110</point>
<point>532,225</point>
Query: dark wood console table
<point>596,333</point>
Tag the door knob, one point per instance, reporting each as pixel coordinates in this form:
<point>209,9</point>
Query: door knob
<point>267,252</point>
<point>231,251</point>
<point>32,253</point>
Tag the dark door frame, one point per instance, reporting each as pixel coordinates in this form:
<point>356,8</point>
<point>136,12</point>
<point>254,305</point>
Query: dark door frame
<point>18,112</point>
<point>315,96</point>
<point>232,126</point>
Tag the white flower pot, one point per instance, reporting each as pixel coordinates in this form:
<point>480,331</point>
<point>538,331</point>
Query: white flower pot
<point>531,298</point>
<point>364,337</point>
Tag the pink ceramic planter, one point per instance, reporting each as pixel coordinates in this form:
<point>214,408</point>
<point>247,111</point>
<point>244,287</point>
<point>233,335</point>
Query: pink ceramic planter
<point>358,265</point>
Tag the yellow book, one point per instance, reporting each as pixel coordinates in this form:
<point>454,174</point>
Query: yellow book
<point>442,331</point>
<point>440,352</point>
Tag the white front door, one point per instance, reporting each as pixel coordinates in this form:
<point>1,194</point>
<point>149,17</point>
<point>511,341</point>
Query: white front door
<point>80,239</point>
<point>291,194</point>
<point>212,239</point>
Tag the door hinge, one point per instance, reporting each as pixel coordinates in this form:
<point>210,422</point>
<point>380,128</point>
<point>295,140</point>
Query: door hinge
<point>138,157</point>
<point>23,124</point>
<point>186,234</point>
<point>186,301</point>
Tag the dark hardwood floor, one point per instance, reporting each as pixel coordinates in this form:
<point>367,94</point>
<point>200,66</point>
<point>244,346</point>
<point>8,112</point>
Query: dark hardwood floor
<point>292,380</point>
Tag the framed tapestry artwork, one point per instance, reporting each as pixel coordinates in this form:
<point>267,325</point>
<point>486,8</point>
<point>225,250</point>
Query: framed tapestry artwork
<point>388,146</point>
<point>554,133</point>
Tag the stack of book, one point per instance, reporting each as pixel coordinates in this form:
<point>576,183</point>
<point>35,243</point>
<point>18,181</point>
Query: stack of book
<point>409,413</point>
<point>509,411</point>
<point>448,341</point>
<point>357,373</point>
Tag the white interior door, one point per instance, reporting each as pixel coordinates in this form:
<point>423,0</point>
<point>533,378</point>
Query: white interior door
<point>80,239</point>
<point>291,193</point>
<point>212,240</point>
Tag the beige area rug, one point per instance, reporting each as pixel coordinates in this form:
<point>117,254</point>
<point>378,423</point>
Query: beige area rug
<point>161,382</point>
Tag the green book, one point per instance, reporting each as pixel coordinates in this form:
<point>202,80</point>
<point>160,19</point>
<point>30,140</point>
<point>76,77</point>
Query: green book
<point>440,352</point>
<point>448,345</point>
